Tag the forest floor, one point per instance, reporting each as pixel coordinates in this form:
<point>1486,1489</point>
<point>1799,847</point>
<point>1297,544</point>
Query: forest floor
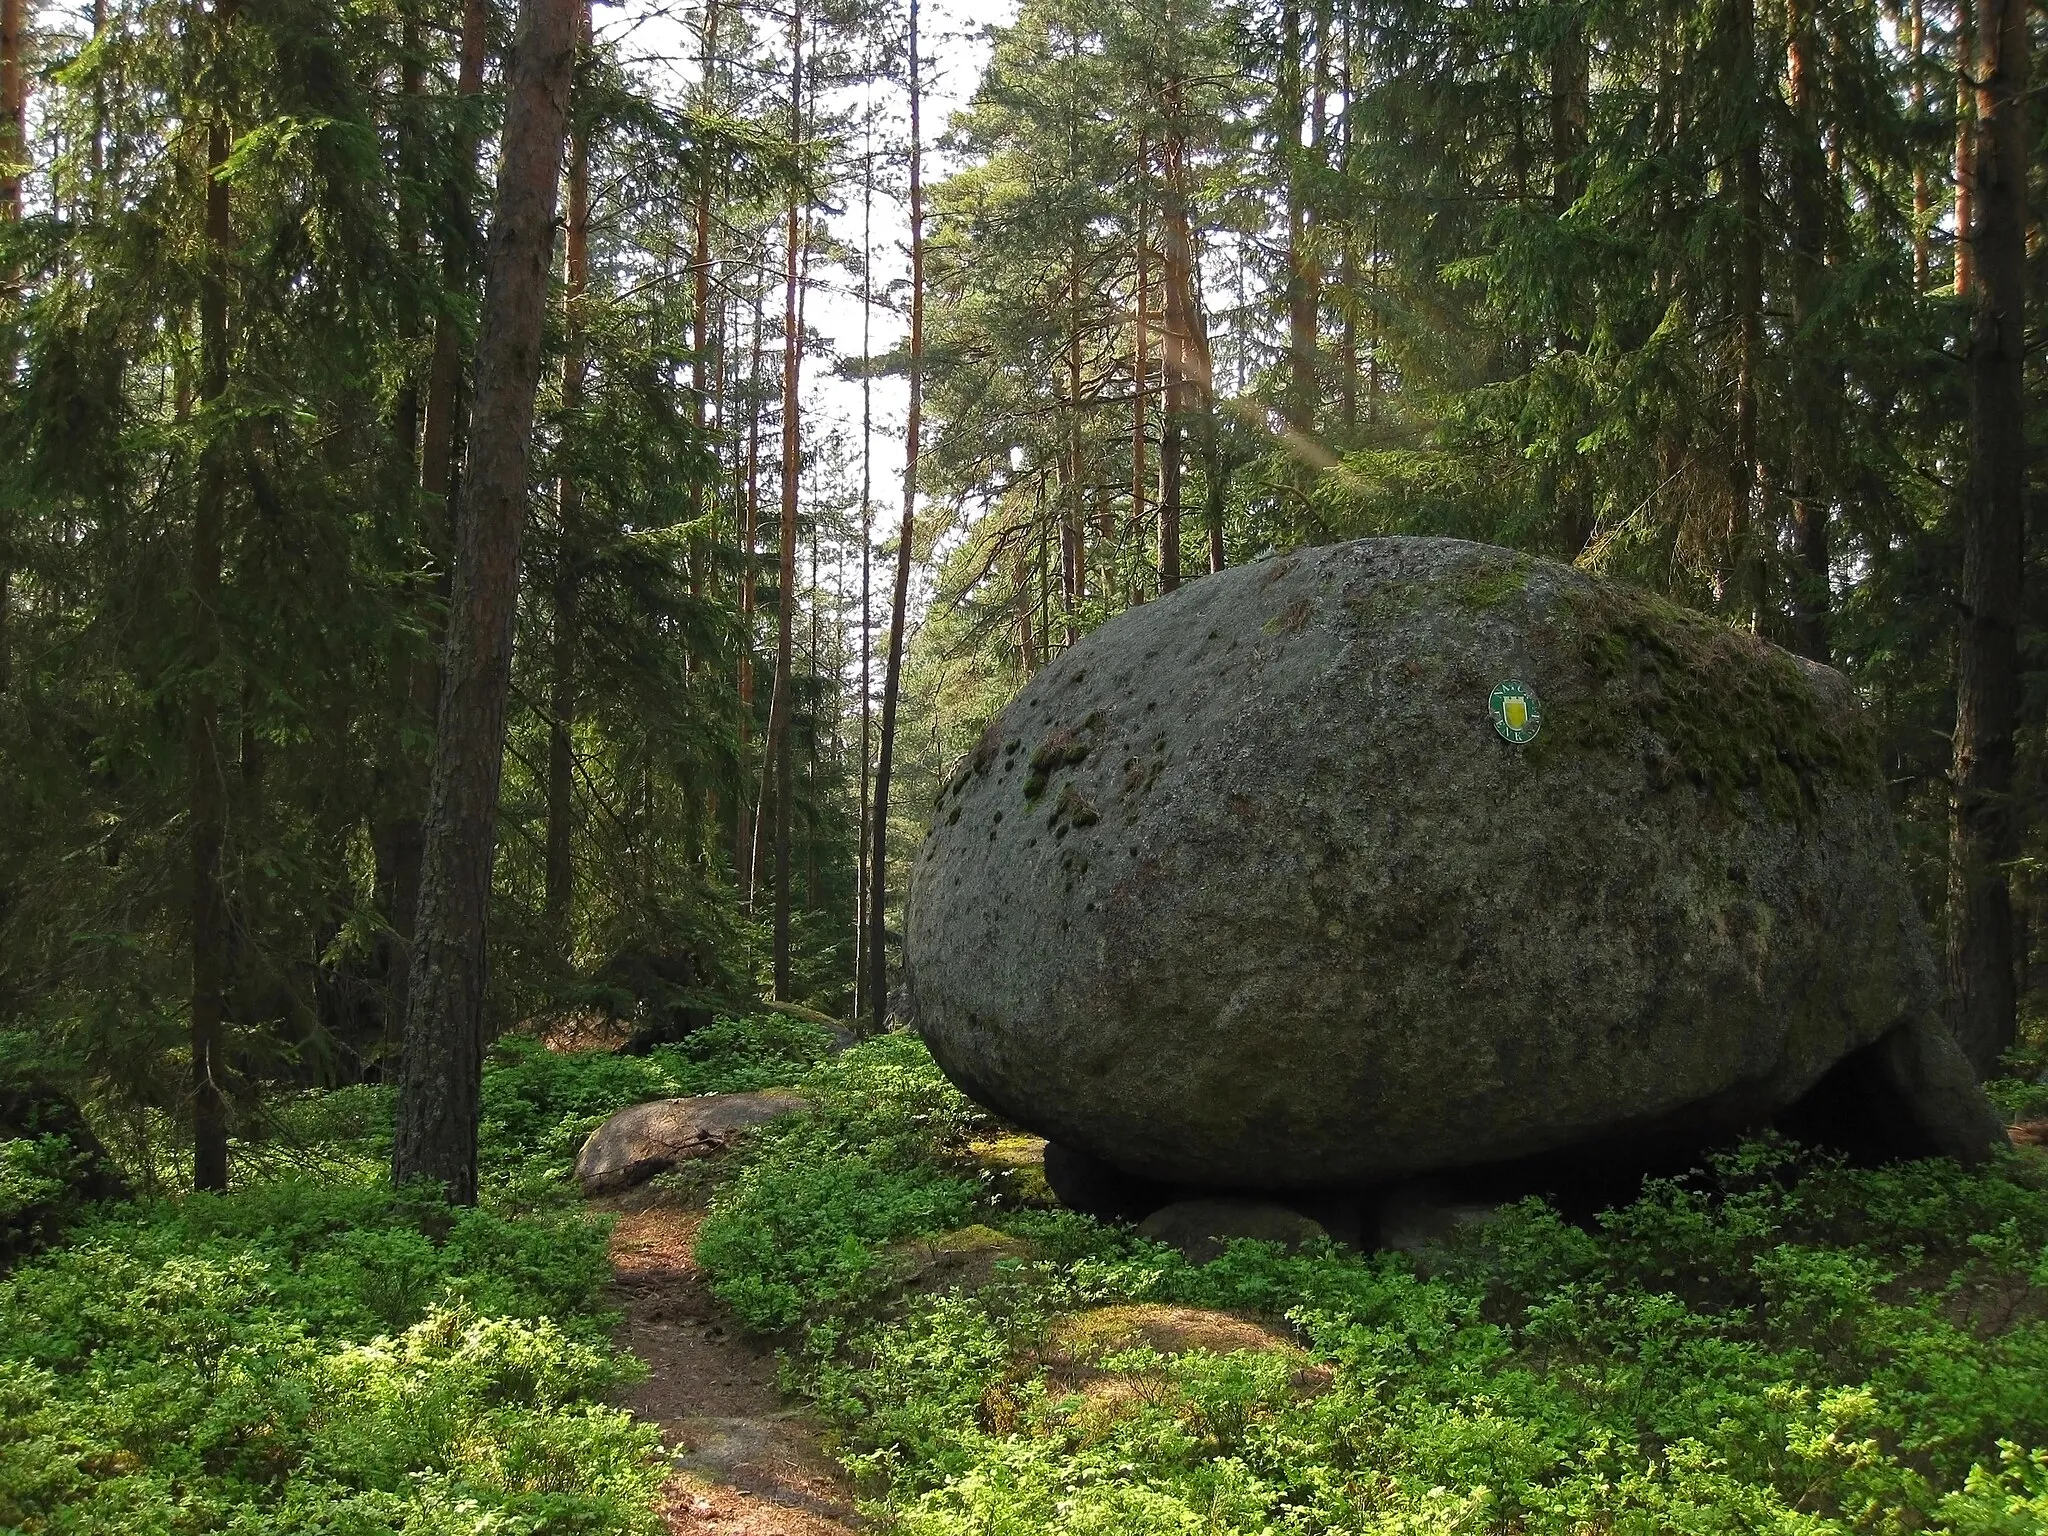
<point>748,1461</point>
<point>1779,1341</point>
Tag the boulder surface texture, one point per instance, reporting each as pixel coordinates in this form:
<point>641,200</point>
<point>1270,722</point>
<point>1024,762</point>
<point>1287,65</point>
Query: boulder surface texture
<point>1247,890</point>
<point>646,1139</point>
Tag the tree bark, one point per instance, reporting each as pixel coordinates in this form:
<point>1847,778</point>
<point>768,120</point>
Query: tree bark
<point>13,107</point>
<point>1190,373</point>
<point>401,839</point>
<point>1070,499</point>
<point>1966,144</point>
<point>13,151</point>
<point>1141,345</point>
<point>1027,635</point>
<point>440,1079</point>
<point>1983,827</point>
<point>1740,560</point>
<point>444,381</point>
<point>867,543</point>
<point>208,782</point>
<point>1172,418</point>
<point>1303,281</point>
<point>780,702</point>
<point>700,286</point>
<point>561,828</point>
<point>878,866</point>
<point>1809,192</point>
<point>745,817</point>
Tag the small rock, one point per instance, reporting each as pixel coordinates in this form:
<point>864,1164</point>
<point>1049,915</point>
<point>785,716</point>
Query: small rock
<point>638,1143</point>
<point>1202,1229</point>
<point>1414,1216</point>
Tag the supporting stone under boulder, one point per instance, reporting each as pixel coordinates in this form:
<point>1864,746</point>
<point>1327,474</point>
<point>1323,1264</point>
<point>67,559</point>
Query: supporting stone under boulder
<point>1202,1229</point>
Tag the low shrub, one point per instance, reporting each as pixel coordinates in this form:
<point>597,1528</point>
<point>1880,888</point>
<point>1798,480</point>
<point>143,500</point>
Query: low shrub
<point>1780,1342</point>
<point>539,1105</point>
<point>799,1229</point>
<point>315,1352</point>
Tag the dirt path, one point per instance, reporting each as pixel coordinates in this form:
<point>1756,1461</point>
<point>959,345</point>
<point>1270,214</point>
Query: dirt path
<point>747,1462</point>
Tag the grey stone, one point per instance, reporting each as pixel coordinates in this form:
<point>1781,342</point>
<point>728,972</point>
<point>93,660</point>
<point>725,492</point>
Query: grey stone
<point>1413,1217</point>
<point>1245,891</point>
<point>1938,1092</point>
<point>646,1139</point>
<point>1202,1229</point>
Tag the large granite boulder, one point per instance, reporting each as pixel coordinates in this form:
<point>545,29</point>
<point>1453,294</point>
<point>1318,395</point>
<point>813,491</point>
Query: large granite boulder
<point>1273,884</point>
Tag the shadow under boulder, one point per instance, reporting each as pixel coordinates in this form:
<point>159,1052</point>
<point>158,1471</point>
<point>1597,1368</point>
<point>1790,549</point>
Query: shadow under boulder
<point>1884,1103</point>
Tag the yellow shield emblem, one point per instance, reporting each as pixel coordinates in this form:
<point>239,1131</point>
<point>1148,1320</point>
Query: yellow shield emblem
<point>1516,714</point>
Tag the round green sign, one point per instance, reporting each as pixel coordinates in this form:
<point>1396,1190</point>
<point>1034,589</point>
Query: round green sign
<point>1516,714</point>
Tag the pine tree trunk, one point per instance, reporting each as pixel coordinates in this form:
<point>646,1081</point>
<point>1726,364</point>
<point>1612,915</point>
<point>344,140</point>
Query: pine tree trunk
<point>1303,282</point>
<point>878,865</point>
<point>1741,560</point>
<point>1984,827</point>
<point>13,108</point>
<point>13,151</point>
<point>700,285</point>
<point>1141,345</point>
<point>1172,417</point>
<point>561,827</point>
<point>208,773</point>
<point>746,817</point>
<point>1070,500</point>
<point>444,380</point>
<point>1808,192</point>
<point>1966,144</point>
<point>1348,277</point>
<point>1027,635</point>
<point>867,545</point>
<point>402,838</point>
<point>1191,373</point>
<point>780,701</point>
<point>441,1073</point>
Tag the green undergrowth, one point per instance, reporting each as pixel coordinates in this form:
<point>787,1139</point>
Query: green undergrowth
<point>1781,1343</point>
<point>314,1352</point>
